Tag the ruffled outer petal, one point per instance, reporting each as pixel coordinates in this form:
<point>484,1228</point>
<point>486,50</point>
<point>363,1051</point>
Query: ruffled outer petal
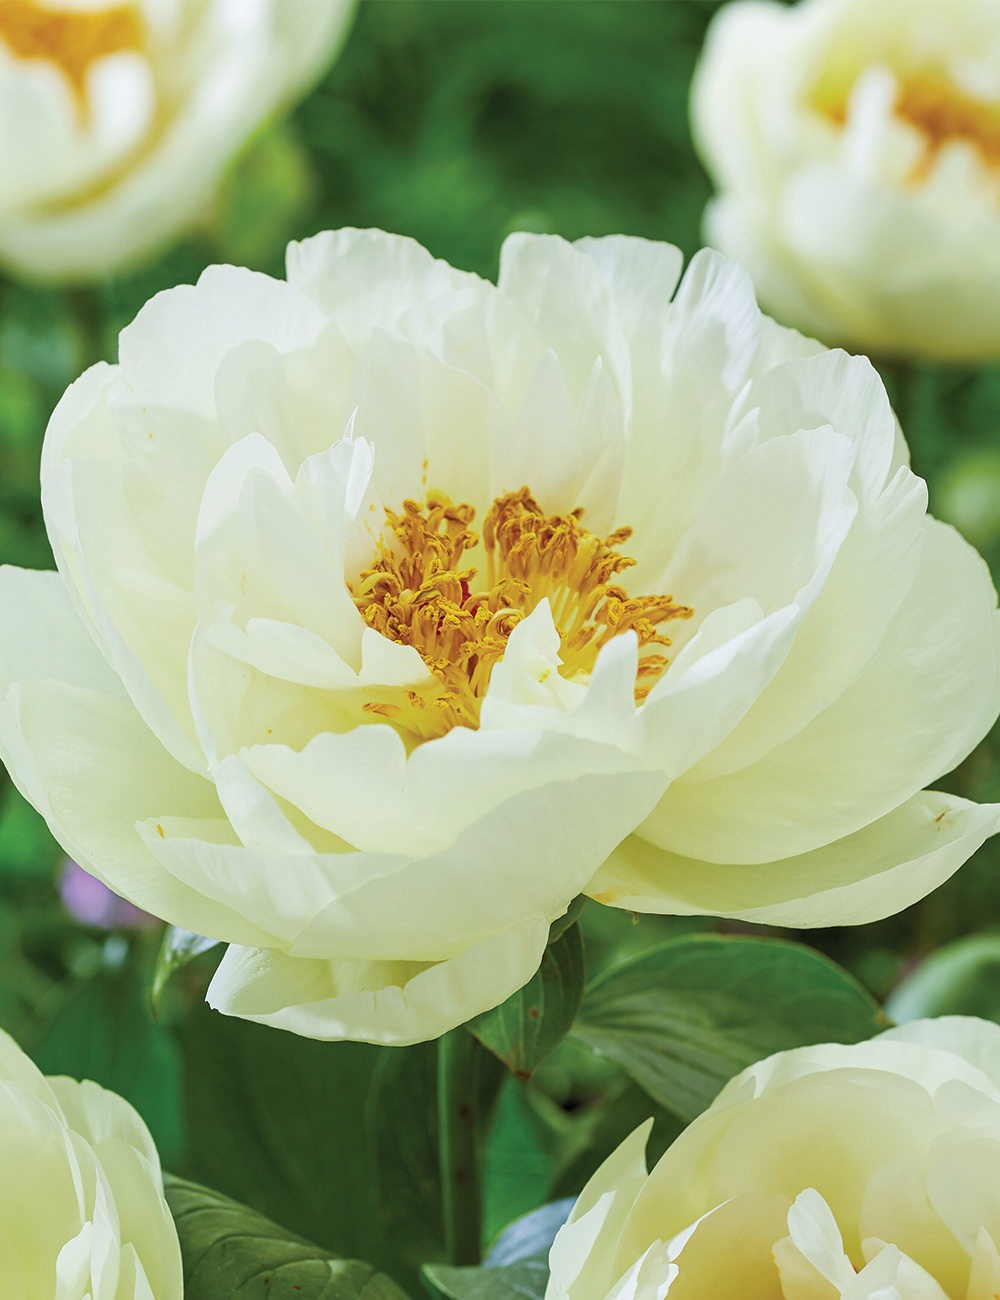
<point>81,754</point>
<point>377,1001</point>
<point>873,873</point>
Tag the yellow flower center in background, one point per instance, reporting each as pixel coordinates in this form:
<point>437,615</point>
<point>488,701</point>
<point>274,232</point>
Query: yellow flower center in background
<point>940,111</point>
<point>72,39</point>
<point>420,593</point>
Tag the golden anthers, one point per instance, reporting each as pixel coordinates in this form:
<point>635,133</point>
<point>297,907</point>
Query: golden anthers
<point>942,112</point>
<point>71,38</point>
<point>421,592</point>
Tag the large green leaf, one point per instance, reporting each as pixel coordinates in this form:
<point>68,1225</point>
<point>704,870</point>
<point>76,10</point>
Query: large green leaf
<point>523,1281</point>
<point>685,1017</point>
<point>232,1253</point>
<point>334,1140</point>
<point>401,1120</point>
<point>278,1122</point>
<point>517,1267</point>
<point>524,1029</point>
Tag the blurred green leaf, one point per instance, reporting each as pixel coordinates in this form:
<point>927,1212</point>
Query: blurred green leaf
<point>103,1031</point>
<point>26,847</point>
<point>960,979</point>
<point>524,1029</point>
<point>686,1017</point>
<point>263,199</point>
<point>231,1253</point>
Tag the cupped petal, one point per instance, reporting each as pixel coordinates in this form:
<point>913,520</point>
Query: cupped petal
<point>563,293</point>
<point>374,906</point>
<point>171,352</point>
<point>967,1037</point>
<point>389,1002</point>
<point>78,750</point>
<point>734,1240</point>
<point>367,279</point>
<point>130,1163</point>
<point>928,696</point>
<point>874,570</point>
<point>870,874</point>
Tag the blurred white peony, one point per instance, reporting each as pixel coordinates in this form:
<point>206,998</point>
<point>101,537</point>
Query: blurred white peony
<point>357,656</point>
<point>81,1195</point>
<point>864,1173</point>
<point>117,120</point>
<point>856,148</point>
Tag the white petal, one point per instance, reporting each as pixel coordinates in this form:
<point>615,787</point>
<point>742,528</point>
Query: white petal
<point>929,695</point>
<point>82,755</point>
<point>872,873</point>
<point>370,906</point>
<point>366,279</point>
<point>379,1001</point>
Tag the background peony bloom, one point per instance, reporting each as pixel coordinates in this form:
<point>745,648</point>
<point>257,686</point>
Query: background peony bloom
<point>117,120</point>
<point>393,605</point>
<point>856,148</point>
<point>862,1172</point>
<point>81,1195</point>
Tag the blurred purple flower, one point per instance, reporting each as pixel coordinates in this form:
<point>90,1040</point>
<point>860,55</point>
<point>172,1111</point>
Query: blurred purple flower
<point>91,903</point>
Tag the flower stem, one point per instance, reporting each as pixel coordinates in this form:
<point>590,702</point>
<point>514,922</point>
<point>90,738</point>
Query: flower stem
<point>469,1079</point>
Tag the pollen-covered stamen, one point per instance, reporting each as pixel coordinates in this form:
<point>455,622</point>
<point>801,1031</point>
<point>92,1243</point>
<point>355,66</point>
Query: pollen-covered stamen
<point>420,593</point>
<point>73,39</point>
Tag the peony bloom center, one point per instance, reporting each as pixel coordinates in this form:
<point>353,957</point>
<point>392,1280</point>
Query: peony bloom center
<point>73,39</point>
<point>421,592</point>
<point>942,112</point>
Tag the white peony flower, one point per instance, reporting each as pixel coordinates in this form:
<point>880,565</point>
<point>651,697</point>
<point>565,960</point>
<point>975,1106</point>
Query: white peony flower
<point>860,1173</point>
<point>81,1195</point>
<point>856,148</point>
<point>118,117</point>
<point>359,657</point>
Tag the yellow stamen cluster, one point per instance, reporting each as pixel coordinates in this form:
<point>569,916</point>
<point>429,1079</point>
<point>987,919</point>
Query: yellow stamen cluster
<point>421,592</point>
<point>73,39</point>
<point>941,112</point>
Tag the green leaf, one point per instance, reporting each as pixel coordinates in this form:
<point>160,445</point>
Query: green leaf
<point>522,1154</point>
<point>402,1122</point>
<point>334,1140</point>
<point>524,1029</point>
<point>523,1281</point>
<point>177,949</point>
<point>603,1127</point>
<point>685,1017</point>
<point>294,1111</point>
<point>230,1252</point>
<point>960,979</point>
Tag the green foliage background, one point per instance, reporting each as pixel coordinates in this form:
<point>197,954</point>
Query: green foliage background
<point>457,122</point>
